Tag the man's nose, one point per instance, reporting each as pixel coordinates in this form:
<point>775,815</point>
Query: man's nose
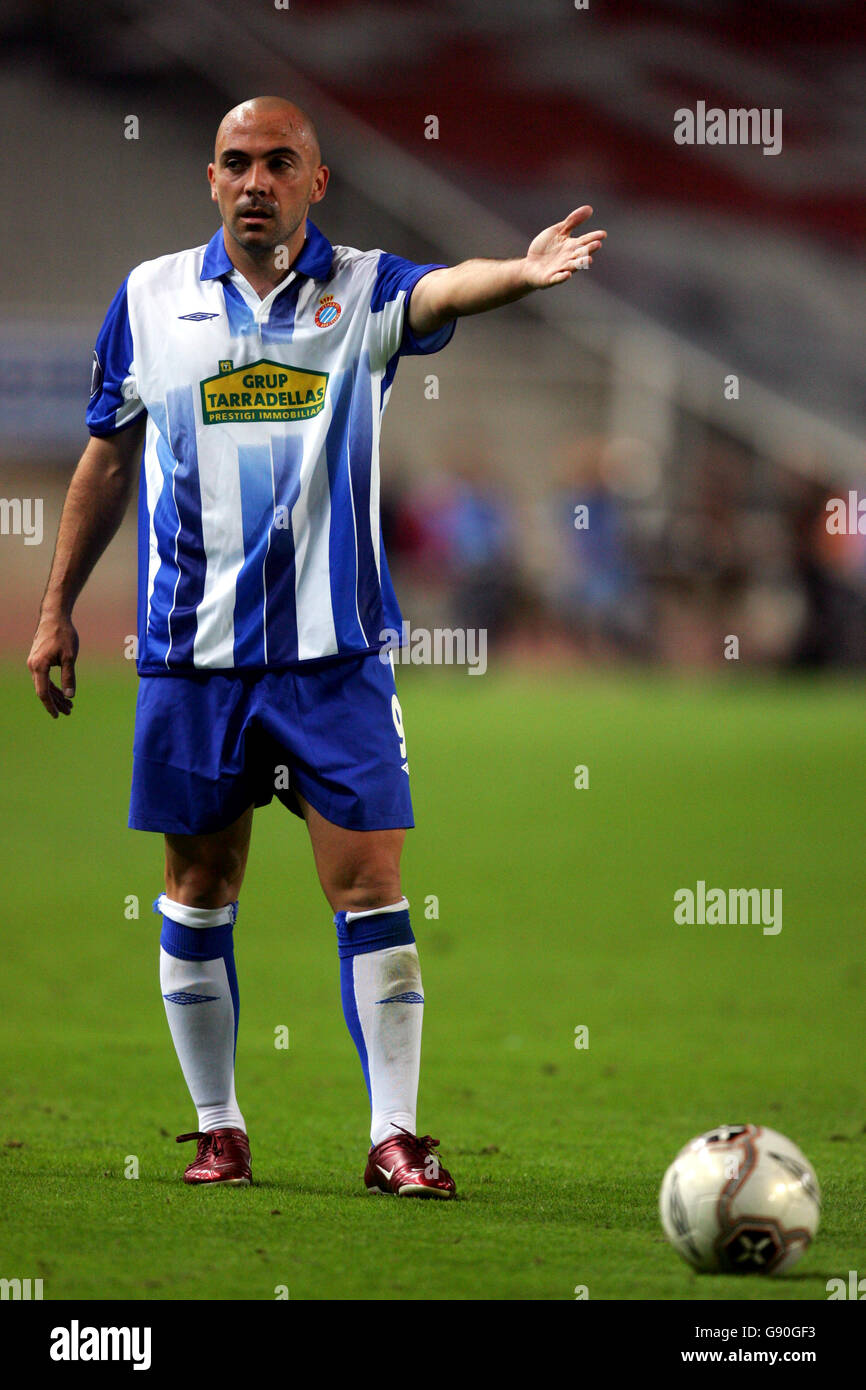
<point>257,178</point>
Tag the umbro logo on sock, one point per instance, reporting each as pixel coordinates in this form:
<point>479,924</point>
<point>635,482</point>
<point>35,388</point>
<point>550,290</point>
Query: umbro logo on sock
<point>410,997</point>
<point>182,997</point>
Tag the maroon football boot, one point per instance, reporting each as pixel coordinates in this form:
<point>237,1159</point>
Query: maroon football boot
<point>405,1165</point>
<point>222,1156</point>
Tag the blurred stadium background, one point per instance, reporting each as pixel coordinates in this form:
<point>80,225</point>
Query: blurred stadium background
<point>706,513</point>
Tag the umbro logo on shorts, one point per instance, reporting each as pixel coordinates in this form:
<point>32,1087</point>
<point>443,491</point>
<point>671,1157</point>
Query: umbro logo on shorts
<point>410,997</point>
<point>182,997</point>
<point>197,318</point>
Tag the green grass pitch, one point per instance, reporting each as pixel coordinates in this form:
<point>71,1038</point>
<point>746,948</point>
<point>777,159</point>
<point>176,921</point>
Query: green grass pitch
<point>555,910</point>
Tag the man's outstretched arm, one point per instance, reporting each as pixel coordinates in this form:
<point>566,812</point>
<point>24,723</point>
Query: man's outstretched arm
<point>477,285</point>
<point>95,504</point>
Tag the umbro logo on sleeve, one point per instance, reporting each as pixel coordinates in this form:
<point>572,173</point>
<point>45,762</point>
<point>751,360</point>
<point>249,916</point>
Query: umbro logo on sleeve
<point>197,318</point>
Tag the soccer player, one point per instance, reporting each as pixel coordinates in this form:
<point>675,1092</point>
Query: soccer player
<point>254,371</point>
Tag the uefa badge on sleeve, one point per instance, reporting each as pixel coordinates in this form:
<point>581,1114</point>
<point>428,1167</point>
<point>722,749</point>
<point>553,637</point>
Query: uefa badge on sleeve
<point>95,374</point>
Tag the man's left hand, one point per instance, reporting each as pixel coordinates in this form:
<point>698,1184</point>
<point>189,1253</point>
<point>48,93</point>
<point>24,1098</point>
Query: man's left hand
<point>555,254</point>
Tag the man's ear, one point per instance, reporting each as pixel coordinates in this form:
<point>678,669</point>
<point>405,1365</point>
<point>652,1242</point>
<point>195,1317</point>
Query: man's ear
<point>317,195</point>
<point>210,178</point>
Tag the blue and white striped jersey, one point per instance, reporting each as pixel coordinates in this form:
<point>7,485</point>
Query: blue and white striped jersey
<point>259,533</point>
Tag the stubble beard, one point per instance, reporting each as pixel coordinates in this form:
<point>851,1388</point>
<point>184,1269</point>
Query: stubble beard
<point>263,252</point>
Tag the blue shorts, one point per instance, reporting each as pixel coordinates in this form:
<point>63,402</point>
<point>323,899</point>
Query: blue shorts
<point>208,745</point>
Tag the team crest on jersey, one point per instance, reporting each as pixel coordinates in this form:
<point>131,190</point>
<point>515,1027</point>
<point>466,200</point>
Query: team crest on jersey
<point>328,311</point>
<point>261,391</point>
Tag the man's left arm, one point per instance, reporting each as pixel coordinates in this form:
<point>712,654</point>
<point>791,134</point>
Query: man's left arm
<point>477,285</point>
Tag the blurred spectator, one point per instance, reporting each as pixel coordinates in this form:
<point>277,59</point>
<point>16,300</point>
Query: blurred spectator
<point>594,587</point>
<point>457,533</point>
<point>831,569</point>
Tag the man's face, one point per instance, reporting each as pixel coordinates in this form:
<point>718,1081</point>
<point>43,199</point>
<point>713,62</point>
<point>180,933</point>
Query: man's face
<point>264,176</point>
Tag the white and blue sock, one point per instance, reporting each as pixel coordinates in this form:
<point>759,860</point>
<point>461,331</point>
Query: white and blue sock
<point>383,1004</point>
<point>200,990</point>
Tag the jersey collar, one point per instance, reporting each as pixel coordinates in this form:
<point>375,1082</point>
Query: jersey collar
<point>314,259</point>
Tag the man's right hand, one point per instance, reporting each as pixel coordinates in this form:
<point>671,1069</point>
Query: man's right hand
<point>55,644</point>
<point>95,503</point>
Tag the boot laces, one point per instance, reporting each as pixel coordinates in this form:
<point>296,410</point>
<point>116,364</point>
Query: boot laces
<point>422,1144</point>
<point>205,1141</point>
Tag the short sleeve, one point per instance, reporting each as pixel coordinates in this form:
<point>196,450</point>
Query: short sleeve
<point>395,280</point>
<point>114,400</point>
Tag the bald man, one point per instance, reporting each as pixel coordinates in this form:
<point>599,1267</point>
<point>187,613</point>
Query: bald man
<point>244,383</point>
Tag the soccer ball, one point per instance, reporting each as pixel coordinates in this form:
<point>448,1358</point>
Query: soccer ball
<point>741,1199</point>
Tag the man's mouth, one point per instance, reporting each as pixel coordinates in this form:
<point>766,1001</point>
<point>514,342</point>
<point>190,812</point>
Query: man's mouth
<point>255,214</point>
